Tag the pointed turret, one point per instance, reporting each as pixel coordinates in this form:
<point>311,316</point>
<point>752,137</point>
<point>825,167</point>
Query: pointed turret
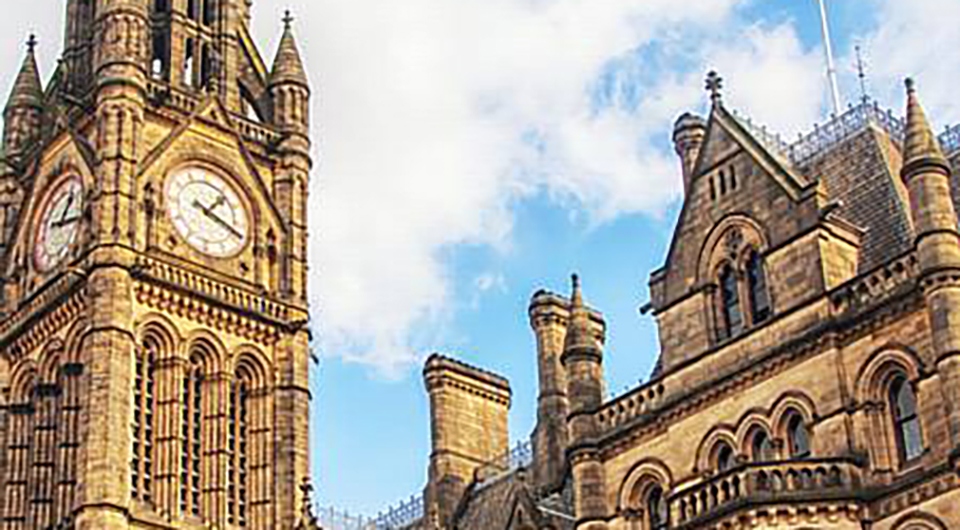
<point>27,90</point>
<point>288,85</point>
<point>583,361</point>
<point>921,147</point>
<point>287,65</point>
<point>22,113</point>
<point>927,175</point>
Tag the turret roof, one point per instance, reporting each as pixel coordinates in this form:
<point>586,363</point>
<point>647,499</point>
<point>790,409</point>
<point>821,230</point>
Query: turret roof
<point>27,89</point>
<point>920,146</point>
<point>287,66</point>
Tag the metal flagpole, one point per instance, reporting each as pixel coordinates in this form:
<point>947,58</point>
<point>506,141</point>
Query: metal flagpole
<point>831,66</point>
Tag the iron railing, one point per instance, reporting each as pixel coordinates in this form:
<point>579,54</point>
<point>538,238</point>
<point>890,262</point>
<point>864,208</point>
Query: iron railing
<point>839,128</point>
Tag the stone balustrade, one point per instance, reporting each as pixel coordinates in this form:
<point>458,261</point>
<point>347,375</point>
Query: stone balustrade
<point>757,484</point>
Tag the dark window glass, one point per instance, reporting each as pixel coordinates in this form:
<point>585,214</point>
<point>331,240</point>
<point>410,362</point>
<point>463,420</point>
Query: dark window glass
<point>713,190</point>
<point>799,438</point>
<point>733,178</point>
<point>657,509</point>
<point>210,12</point>
<point>725,458</point>
<point>903,403</point>
<point>762,448</point>
<point>757,285</point>
<point>723,183</point>
<point>732,323</point>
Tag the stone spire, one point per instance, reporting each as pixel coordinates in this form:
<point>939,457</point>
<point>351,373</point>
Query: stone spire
<point>24,108</point>
<point>579,336</point>
<point>921,147</point>
<point>27,90</point>
<point>287,66</point>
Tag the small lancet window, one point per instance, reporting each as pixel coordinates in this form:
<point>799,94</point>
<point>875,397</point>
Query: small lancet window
<point>757,288</point>
<point>205,66</point>
<point>189,66</point>
<point>906,420</point>
<point>713,190</point>
<point>762,447</point>
<point>733,177</point>
<point>732,324</point>
<point>723,183</point>
<point>657,514</point>
<point>159,64</point>
<point>799,438</point>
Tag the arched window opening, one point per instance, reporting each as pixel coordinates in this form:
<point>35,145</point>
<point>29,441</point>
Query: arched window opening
<point>144,401</point>
<point>189,66</point>
<point>733,177</point>
<point>906,420</point>
<point>159,66</point>
<point>19,457</point>
<point>723,183</point>
<point>205,66</point>
<point>191,435</point>
<point>238,450</point>
<point>732,324</point>
<point>762,448</point>
<point>798,437</point>
<point>658,515</point>
<point>757,287</point>
<point>193,10</point>
<point>725,458</point>
<point>210,12</point>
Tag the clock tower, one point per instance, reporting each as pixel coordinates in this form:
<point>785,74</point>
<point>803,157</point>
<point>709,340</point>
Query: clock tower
<point>154,349</point>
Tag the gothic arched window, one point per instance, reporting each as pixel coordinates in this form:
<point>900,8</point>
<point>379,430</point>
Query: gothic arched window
<point>762,447</point>
<point>657,512</point>
<point>191,436</point>
<point>725,458</point>
<point>906,420</point>
<point>798,437</point>
<point>757,289</point>
<point>732,323</point>
<point>238,446</point>
<point>144,402</point>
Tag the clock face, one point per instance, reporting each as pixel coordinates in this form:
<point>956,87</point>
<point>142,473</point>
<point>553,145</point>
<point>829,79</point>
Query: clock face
<point>59,224</point>
<point>206,212</point>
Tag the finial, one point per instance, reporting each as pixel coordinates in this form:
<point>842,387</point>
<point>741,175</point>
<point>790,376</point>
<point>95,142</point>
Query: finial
<point>32,43</point>
<point>714,85</point>
<point>911,86</point>
<point>577,297</point>
<point>287,19</point>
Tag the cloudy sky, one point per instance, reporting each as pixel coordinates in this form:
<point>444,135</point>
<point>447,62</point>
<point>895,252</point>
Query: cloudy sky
<point>473,151</point>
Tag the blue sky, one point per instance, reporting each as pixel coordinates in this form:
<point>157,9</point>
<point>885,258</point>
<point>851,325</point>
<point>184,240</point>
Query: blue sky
<point>473,151</point>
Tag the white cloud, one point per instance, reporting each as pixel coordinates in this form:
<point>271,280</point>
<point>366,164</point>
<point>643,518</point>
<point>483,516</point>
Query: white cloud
<point>438,115</point>
<point>913,39</point>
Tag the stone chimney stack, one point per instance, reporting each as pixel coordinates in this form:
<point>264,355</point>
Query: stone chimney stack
<point>468,421</point>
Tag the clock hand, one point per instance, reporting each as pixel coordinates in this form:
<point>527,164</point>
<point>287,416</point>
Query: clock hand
<point>66,210</point>
<point>217,219</point>
<point>64,222</point>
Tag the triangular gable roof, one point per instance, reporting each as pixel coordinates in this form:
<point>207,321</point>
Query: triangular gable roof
<point>720,118</point>
<point>721,121</point>
<point>212,112</point>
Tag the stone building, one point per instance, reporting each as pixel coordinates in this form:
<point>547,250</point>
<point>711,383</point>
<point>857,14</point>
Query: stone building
<point>153,280</point>
<point>809,372</point>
